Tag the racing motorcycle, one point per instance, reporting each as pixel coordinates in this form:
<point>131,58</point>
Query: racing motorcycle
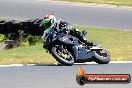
<point>68,49</point>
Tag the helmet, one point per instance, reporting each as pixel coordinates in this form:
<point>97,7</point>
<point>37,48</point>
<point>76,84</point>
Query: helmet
<point>49,21</point>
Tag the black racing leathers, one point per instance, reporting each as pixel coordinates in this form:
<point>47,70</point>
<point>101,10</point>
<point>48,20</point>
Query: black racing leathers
<point>71,31</point>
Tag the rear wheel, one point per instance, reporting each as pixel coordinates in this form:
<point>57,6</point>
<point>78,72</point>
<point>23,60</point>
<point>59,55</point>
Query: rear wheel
<point>62,55</point>
<point>102,57</point>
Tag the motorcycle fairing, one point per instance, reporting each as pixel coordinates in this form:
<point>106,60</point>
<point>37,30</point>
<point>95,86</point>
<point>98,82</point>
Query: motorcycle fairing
<point>81,53</point>
<point>68,39</point>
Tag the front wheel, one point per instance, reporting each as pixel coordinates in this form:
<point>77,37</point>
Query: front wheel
<point>102,57</point>
<point>62,55</point>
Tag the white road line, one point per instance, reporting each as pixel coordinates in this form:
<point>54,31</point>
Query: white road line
<point>15,65</point>
<point>121,62</point>
<point>110,62</point>
<point>11,65</point>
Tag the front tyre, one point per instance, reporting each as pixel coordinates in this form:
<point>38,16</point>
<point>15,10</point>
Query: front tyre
<point>62,55</point>
<point>102,57</point>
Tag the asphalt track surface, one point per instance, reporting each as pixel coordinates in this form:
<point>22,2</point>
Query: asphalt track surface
<point>52,76</point>
<point>77,14</point>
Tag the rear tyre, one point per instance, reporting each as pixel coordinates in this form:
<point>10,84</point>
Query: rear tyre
<point>102,57</point>
<point>62,55</point>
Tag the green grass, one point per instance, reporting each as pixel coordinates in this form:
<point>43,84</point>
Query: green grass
<point>117,42</point>
<point>112,2</point>
<point>5,19</point>
<point>26,55</point>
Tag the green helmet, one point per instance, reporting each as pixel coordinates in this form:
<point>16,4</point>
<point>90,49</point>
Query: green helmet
<point>49,21</point>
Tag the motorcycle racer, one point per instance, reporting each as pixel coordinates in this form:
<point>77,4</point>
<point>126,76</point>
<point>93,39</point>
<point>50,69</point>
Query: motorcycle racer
<point>51,23</point>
